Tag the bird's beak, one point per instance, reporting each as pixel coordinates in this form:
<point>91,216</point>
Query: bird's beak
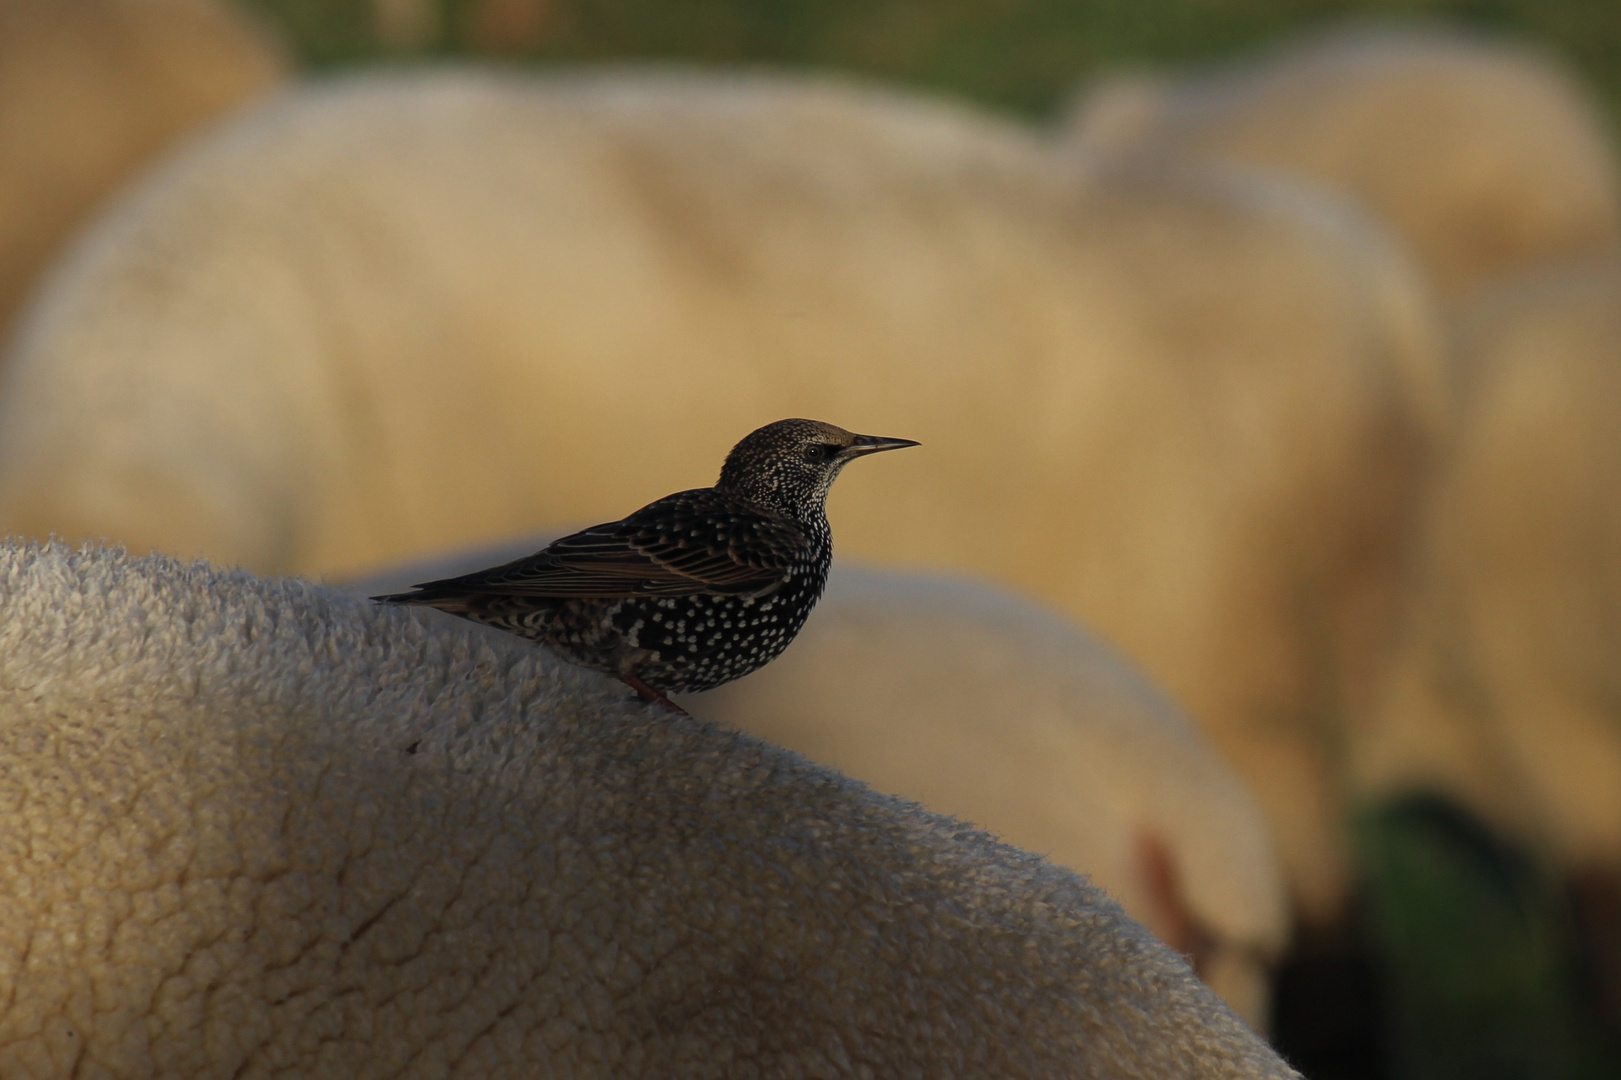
<point>872,444</point>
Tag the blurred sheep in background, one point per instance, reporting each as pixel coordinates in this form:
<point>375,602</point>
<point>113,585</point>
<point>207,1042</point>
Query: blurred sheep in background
<point>1495,751</point>
<point>404,314</point>
<point>980,705</point>
<point>1507,694</point>
<point>983,707</point>
<point>255,827</point>
<point>1488,158</point>
<point>90,91</point>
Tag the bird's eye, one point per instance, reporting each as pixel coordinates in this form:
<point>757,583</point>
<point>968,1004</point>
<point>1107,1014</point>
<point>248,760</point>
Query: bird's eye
<point>819,453</point>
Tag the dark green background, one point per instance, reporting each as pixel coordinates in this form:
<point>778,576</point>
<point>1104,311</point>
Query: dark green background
<point>1019,54</point>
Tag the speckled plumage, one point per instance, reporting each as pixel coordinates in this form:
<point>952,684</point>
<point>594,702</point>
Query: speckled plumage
<point>689,592</point>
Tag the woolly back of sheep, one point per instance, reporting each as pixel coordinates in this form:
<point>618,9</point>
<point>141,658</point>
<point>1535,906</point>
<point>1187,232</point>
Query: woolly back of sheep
<point>254,826</point>
<point>979,704</point>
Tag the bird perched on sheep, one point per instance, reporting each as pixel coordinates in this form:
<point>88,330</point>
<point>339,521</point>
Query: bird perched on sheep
<point>689,592</point>
<point>1488,158</point>
<point>256,826</point>
<point>983,706</point>
<point>90,92</point>
<point>393,315</point>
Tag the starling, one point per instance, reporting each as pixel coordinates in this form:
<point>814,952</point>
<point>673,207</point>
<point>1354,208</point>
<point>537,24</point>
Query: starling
<point>689,592</point>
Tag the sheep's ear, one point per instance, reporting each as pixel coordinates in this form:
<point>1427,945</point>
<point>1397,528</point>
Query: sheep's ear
<point>1177,926</point>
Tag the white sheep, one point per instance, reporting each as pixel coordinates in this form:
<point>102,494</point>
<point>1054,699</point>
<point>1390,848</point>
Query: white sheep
<point>255,827</point>
<point>90,91</point>
<point>980,705</point>
<point>401,314</point>
<point>1507,694</point>
<point>1488,158</point>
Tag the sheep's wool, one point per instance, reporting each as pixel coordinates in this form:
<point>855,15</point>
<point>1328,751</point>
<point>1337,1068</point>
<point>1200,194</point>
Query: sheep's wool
<point>1487,158</point>
<point>254,827</point>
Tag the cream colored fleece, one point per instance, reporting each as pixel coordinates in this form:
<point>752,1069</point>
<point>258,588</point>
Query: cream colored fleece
<point>1506,694</point>
<point>979,704</point>
<point>257,828</point>
<point>91,92</point>
<point>1487,158</point>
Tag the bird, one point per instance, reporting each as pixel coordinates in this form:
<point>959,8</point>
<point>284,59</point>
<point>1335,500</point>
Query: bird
<point>691,591</point>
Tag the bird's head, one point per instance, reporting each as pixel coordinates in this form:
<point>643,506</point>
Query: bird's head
<point>789,465</point>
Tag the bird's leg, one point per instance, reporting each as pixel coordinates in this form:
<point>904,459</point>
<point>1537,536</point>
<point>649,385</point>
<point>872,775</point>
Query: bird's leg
<point>651,694</point>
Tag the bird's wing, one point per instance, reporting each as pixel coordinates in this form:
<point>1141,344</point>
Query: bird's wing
<point>685,544</point>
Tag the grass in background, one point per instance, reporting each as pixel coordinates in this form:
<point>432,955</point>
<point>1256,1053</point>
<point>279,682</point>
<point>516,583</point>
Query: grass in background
<point>1480,961</point>
<point>1023,55</point>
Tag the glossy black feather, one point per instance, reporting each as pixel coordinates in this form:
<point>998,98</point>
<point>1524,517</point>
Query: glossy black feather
<point>691,591</point>
<point>692,542</point>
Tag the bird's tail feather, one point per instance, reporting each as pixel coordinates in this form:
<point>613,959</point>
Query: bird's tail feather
<point>453,603</point>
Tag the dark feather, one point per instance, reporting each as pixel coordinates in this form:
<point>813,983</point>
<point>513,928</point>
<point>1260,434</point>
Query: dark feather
<point>686,544</point>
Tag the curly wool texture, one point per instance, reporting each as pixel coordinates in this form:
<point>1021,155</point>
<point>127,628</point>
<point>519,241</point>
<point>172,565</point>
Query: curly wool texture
<point>402,314</point>
<point>254,827</point>
<point>1488,159</point>
<point>978,704</point>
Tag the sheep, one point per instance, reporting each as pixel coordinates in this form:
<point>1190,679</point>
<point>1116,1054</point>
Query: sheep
<point>1503,697</point>
<point>406,313</point>
<point>90,91</point>
<point>257,826</point>
<point>1487,158</point>
<point>978,704</point>
<point>1504,694</point>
